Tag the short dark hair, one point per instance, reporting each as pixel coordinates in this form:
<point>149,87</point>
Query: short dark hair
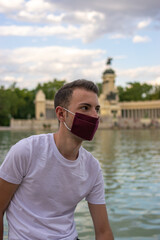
<point>64,94</point>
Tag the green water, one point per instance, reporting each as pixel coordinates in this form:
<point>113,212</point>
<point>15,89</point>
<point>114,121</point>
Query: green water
<point>130,160</point>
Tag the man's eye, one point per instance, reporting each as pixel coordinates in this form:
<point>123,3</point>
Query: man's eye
<point>85,108</point>
<point>98,110</point>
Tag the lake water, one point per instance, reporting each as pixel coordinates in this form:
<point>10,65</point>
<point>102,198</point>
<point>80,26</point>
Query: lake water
<point>130,160</point>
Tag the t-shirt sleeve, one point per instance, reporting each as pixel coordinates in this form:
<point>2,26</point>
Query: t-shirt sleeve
<point>97,195</point>
<point>16,163</point>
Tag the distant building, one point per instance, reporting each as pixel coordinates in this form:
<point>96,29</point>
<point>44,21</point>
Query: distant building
<point>44,109</point>
<point>109,99</point>
<point>111,107</point>
<point>124,114</point>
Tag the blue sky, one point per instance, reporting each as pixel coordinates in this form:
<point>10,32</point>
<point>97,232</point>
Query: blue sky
<point>68,39</point>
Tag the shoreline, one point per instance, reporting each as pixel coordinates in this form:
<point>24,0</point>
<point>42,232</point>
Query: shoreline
<point>3,128</point>
<point>101,127</point>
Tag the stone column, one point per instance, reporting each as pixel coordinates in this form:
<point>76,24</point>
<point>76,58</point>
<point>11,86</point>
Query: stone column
<point>40,105</point>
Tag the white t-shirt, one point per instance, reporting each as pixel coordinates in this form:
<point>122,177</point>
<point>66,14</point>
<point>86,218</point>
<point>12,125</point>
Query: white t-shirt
<point>50,188</point>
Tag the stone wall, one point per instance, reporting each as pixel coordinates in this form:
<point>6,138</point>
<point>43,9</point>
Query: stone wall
<point>105,123</point>
<point>34,124</point>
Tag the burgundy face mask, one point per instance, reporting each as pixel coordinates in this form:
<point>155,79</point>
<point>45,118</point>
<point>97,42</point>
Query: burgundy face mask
<point>83,126</point>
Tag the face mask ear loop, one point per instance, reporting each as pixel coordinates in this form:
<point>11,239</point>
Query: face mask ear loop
<point>64,122</point>
<point>67,126</point>
<point>69,111</point>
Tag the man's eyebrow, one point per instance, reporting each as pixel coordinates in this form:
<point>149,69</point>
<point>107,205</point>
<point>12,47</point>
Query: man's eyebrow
<point>85,104</point>
<point>89,105</point>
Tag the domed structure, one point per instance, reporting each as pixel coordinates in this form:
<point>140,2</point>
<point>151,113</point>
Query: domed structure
<point>109,97</point>
<point>109,71</point>
<point>109,89</point>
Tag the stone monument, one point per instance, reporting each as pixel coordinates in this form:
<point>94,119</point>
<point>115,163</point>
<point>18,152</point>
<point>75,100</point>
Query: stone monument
<point>40,105</point>
<point>109,100</point>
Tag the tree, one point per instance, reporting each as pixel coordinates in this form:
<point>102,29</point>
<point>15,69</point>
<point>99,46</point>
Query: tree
<point>19,103</point>
<point>26,108</point>
<point>50,88</point>
<point>8,105</point>
<point>135,92</point>
<point>156,93</point>
<point>99,85</point>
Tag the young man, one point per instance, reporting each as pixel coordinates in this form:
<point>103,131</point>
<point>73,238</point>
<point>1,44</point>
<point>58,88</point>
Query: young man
<point>45,176</point>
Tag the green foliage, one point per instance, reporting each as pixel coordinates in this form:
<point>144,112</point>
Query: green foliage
<point>156,93</point>
<point>25,106</point>
<point>50,88</point>
<point>100,88</point>
<point>8,105</point>
<point>19,103</point>
<point>135,92</point>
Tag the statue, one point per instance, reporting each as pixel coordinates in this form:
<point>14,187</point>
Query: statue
<point>111,96</point>
<point>109,60</point>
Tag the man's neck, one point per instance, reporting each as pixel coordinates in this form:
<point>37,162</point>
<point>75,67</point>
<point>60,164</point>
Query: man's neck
<point>67,146</point>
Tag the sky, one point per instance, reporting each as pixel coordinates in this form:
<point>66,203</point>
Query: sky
<point>41,40</point>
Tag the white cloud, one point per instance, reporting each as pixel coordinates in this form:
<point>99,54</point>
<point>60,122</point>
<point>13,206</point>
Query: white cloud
<point>84,20</point>
<point>29,66</point>
<point>140,39</point>
<point>45,13</point>
<point>10,6</point>
<point>88,20</point>
<point>34,11</point>
<point>14,30</point>
<point>54,18</point>
<point>29,17</point>
<point>156,81</point>
<point>86,32</point>
<point>144,23</point>
<point>13,79</point>
<point>148,74</point>
<point>88,16</point>
<point>38,6</point>
<point>35,65</point>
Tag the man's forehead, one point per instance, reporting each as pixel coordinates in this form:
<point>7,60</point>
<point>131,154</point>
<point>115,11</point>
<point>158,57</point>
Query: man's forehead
<point>84,96</point>
<point>82,91</point>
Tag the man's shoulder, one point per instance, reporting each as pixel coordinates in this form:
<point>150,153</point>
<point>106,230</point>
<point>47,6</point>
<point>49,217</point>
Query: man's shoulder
<point>37,138</point>
<point>32,141</point>
<point>89,157</point>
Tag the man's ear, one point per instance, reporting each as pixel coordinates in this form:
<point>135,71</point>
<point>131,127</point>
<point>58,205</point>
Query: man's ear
<point>60,113</point>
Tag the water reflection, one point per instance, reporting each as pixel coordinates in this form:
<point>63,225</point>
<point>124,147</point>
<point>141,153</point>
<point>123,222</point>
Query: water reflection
<point>8,138</point>
<point>130,160</point>
<point>131,165</point>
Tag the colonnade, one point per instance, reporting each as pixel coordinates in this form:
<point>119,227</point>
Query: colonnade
<point>153,113</point>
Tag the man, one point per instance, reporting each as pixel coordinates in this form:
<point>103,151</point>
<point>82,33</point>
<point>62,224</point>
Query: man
<point>45,176</point>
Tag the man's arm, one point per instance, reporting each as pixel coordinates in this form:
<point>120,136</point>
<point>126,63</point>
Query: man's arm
<point>100,221</point>
<point>6,193</point>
